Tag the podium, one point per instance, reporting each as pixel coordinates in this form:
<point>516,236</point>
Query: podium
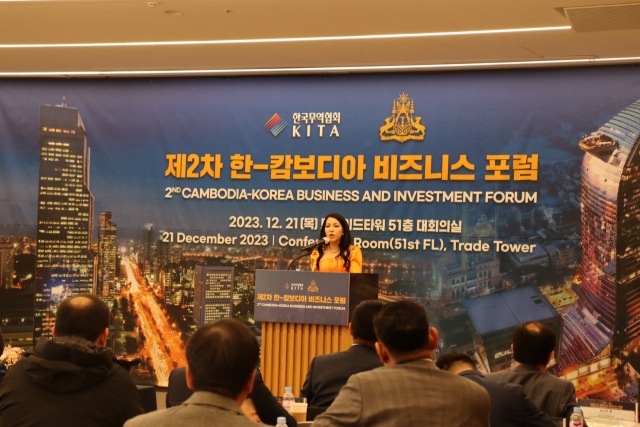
<point>305,314</point>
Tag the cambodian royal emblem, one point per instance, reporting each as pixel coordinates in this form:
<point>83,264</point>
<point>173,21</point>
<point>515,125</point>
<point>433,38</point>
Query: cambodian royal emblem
<point>402,126</point>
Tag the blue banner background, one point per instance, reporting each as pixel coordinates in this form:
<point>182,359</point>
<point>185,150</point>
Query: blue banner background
<point>132,124</point>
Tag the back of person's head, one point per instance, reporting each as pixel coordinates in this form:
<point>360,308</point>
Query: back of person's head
<point>402,327</point>
<point>533,342</point>
<point>362,320</point>
<point>222,356</point>
<point>446,360</point>
<point>85,316</point>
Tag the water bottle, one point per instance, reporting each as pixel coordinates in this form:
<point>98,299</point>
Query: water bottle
<point>281,422</point>
<point>577,418</point>
<point>288,398</point>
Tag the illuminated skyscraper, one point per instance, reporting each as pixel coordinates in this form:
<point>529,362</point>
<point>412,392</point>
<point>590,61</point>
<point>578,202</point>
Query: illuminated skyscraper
<point>609,268</point>
<point>107,256</point>
<point>212,293</point>
<point>148,249</point>
<point>6,262</point>
<point>64,260</point>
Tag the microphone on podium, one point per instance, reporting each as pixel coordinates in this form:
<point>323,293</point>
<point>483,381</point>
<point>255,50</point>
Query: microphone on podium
<point>322,242</point>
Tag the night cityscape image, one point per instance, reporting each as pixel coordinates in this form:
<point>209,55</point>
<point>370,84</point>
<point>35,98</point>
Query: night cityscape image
<point>563,248</point>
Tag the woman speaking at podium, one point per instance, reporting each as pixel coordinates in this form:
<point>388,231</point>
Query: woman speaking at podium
<point>339,255</point>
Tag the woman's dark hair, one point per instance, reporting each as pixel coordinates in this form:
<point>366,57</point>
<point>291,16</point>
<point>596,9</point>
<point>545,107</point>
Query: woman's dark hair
<point>345,240</point>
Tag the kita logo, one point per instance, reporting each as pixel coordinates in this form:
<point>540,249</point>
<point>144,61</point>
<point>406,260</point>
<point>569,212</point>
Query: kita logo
<point>275,125</point>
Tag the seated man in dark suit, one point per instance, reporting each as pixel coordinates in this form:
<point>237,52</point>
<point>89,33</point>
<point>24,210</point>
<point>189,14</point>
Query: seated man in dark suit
<point>329,372</point>
<point>510,407</point>
<point>266,406</point>
<point>533,346</point>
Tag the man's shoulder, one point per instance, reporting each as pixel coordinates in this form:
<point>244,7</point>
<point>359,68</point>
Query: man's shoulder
<point>121,376</point>
<point>502,375</point>
<point>520,371</point>
<point>329,356</point>
<point>523,375</point>
<point>169,417</point>
<point>456,383</point>
<point>495,385</point>
<point>154,418</point>
<point>358,353</point>
<point>559,383</point>
<point>402,368</point>
<point>419,369</point>
<point>196,411</point>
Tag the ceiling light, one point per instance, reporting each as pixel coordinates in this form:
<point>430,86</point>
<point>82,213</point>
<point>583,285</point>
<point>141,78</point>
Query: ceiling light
<point>301,70</point>
<point>286,39</point>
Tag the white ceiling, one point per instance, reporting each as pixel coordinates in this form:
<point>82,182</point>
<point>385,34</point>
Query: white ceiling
<point>600,35</point>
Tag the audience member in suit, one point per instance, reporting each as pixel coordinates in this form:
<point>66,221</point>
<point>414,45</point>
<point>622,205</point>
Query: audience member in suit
<point>533,346</point>
<point>221,367</point>
<point>409,390</point>
<point>510,407</point>
<point>329,372</point>
<point>71,379</point>
<point>266,406</point>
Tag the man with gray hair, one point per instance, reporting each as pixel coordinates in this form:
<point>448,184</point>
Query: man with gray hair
<point>533,346</point>
<point>510,407</point>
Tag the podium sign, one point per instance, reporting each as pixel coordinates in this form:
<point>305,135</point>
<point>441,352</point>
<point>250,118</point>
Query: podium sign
<point>302,297</point>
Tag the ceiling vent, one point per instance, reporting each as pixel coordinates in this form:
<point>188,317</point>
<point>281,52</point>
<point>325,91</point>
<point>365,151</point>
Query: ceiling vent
<point>604,18</point>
